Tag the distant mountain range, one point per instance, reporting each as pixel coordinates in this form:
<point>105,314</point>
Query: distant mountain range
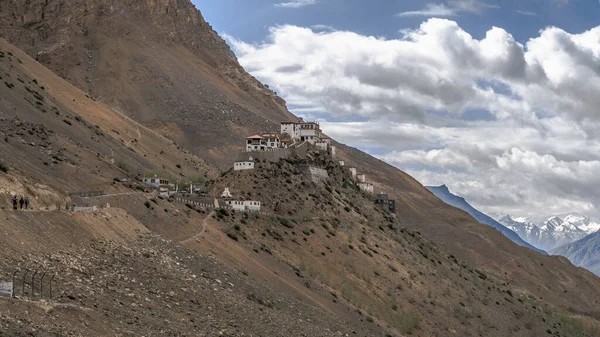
<point>446,196</point>
<point>583,253</point>
<point>551,232</point>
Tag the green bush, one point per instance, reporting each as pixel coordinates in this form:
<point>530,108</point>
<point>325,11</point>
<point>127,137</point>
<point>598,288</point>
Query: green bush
<point>286,223</point>
<point>3,167</point>
<point>409,322</point>
<point>123,166</point>
<point>147,204</point>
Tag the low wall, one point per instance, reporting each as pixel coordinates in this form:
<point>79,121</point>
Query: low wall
<point>84,209</point>
<point>211,207</point>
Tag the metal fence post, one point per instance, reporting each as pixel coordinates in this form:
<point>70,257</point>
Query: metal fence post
<point>33,284</point>
<point>51,286</point>
<point>14,277</point>
<point>42,285</point>
<point>23,285</point>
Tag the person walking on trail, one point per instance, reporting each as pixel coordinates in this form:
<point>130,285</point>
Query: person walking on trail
<point>26,202</point>
<point>21,202</point>
<point>14,200</point>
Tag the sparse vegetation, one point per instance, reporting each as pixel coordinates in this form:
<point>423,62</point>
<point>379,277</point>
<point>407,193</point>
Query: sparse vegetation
<point>3,167</point>
<point>286,223</point>
<point>409,322</point>
<point>123,166</point>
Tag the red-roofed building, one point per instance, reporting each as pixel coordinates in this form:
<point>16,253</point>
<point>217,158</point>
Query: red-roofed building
<point>256,143</point>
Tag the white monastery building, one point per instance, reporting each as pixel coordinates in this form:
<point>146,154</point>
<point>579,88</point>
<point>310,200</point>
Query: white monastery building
<point>353,172</point>
<point>272,140</point>
<point>244,165</point>
<point>362,178</point>
<point>155,182</point>
<point>255,143</point>
<point>290,133</point>
<point>243,205</point>
<point>367,187</point>
<point>302,131</point>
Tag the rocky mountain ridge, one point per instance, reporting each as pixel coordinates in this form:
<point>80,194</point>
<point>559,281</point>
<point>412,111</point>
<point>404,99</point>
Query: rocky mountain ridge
<point>445,195</point>
<point>583,253</point>
<point>551,232</point>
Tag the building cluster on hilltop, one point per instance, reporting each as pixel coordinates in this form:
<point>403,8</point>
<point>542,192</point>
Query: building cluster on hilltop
<point>290,134</point>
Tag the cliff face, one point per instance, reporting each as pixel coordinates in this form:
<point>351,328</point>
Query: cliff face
<point>157,61</point>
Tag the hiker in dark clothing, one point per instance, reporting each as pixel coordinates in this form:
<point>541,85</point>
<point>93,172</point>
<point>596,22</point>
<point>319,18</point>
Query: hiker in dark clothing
<point>21,202</point>
<point>26,202</point>
<point>14,200</point>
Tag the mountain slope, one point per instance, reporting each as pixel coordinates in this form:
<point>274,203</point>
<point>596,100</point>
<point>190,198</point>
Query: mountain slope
<point>161,64</point>
<point>553,232</point>
<point>56,136</point>
<point>157,62</point>
<point>113,276</point>
<point>583,253</point>
<point>446,196</point>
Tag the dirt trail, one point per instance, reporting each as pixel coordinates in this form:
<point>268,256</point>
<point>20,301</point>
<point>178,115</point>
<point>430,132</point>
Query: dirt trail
<point>202,230</point>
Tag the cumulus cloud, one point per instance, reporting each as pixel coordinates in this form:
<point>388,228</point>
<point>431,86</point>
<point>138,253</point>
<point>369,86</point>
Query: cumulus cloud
<point>512,127</point>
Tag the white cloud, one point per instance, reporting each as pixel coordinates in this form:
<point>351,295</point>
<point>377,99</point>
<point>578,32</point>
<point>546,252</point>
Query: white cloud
<point>322,27</point>
<point>454,7</point>
<point>431,10</point>
<point>296,4</point>
<point>526,13</point>
<point>511,127</point>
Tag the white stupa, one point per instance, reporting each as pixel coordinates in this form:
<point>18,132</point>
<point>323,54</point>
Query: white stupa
<point>226,193</point>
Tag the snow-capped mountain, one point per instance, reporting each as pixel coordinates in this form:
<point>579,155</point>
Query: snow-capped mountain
<point>446,196</point>
<point>552,232</point>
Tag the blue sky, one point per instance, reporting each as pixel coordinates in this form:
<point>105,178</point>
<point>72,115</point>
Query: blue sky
<point>496,99</point>
<point>249,20</point>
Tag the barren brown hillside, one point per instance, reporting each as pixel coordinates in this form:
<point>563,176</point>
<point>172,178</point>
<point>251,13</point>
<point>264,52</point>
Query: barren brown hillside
<point>148,87</point>
<point>159,62</point>
<point>113,277</point>
<point>51,129</point>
